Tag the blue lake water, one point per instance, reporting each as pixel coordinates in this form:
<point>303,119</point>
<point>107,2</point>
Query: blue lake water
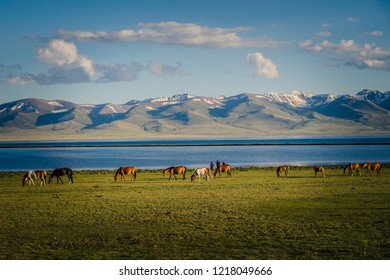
<point>191,153</point>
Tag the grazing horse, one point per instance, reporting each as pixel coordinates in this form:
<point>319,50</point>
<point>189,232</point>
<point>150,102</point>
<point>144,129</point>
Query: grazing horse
<point>175,170</point>
<point>375,166</point>
<point>319,169</point>
<point>351,167</point>
<point>61,172</point>
<point>223,168</point>
<point>124,171</point>
<point>41,174</point>
<point>200,171</point>
<point>283,168</point>
<point>29,176</point>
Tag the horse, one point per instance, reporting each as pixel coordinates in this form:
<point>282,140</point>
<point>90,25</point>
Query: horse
<point>283,168</point>
<point>124,171</point>
<point>200,171</point>
<point>375,166</point>
<point>41,174</point>
<point>58,172</point>
<point>223,168</point>
<point>29,176</point>
<point>175,170</point>
<point>351,167</point>
<point>319,169</point>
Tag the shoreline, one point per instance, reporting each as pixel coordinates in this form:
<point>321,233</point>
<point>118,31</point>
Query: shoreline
<point>318,141</point>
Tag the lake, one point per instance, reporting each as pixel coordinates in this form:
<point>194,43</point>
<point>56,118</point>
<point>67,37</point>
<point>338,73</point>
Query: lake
<point>157,154</point>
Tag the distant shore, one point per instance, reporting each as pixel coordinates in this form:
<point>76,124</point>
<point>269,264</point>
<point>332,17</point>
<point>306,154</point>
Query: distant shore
<point>351,140</point>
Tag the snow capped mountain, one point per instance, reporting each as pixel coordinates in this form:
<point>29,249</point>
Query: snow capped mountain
<point>295,113</point>
<point>299,99</point>
<point>375,96</point>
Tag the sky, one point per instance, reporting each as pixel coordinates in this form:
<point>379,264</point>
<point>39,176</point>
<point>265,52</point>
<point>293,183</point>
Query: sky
<point>95,52</point>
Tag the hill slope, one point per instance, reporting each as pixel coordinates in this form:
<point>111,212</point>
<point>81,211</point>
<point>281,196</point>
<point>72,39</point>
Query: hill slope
<point>184,115</point>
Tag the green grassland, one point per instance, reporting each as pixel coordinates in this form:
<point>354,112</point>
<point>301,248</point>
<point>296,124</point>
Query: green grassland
<point>253,215</point>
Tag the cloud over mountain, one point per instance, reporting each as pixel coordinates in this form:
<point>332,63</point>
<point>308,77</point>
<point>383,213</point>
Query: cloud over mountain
<point>349,53</point>
<point>262,67</point>
<point>173,33</point>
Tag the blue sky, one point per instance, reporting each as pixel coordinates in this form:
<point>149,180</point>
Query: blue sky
<point>115,51</point>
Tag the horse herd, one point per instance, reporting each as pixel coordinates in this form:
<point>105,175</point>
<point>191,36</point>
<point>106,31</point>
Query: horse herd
<point>349,168</point>
<point>32,175</point>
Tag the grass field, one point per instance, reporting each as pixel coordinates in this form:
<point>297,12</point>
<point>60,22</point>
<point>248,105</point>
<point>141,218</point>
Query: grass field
<point>253,215</point>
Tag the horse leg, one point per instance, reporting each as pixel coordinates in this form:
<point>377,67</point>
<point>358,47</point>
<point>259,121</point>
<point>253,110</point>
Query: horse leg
<point>70,177</point>
<point>59,178</point>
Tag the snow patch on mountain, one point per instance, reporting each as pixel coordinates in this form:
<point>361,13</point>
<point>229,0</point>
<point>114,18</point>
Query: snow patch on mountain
<point>55,103</point>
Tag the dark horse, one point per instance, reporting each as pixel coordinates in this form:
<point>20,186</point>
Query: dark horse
<point>175,170</point>
<point>124,171</point>
<point>281,169</point>
<point>319,169</point>
<point>61,172</point>
<point>223,168</point>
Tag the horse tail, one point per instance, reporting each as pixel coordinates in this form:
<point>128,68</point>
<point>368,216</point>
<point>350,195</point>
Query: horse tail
<point>135,174</point>
<point>379,169</point>
<point>70,175</point>
<point>51,176</point>
<point>24,180</point>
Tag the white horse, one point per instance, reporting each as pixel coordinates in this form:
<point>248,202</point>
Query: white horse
<point>29,176</point>
<point>200,171</point>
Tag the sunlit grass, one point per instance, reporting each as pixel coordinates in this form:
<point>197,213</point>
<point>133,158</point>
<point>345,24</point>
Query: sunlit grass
<point>253,215</point>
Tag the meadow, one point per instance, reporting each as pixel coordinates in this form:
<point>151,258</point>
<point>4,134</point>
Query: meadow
<point>253,215</point>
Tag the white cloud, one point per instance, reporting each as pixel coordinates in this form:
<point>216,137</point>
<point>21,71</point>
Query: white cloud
<point>262,66</point>
<point>324,34</point>
<point>352,54</point>
<point>157,68</point>
<point>175,33</point>
<point>375,33</point>
<point>352,19</point>
<point>57,53</point>
<point>67,65</point>
<point>118,72</point>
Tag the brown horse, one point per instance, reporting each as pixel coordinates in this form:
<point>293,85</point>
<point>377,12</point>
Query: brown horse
<point>375,166</point>
<point>223,168</point>
<point>283,168</point>
<point>61,172</point>
<point>351,167</point>
<point>124,171</point>
<point>319,169</point>
<point>41,174</point>
<point>175,170</point>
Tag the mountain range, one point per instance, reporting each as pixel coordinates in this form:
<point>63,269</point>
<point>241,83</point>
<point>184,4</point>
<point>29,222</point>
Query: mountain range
<point>185,115</point>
